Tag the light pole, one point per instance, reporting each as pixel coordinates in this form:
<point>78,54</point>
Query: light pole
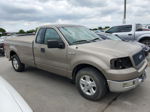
<point>125,8</point>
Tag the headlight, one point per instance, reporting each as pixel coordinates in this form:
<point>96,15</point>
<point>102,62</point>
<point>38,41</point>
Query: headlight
<point>121,63</point>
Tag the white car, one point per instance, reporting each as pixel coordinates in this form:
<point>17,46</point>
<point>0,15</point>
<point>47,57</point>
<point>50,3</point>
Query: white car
<point>10,100</point>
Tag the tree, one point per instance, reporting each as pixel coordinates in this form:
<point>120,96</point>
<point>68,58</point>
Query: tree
<point>21,31</point>
<point>31,31</point>
<point>100,28</point>
<point>106,27</point>
<point>2,30</point>
<point>94,29</point>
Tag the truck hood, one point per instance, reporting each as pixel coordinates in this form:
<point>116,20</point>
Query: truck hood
<point>10,100</point>
<point>111,48</point>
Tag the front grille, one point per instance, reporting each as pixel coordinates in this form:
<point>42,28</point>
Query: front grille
<point>139,57</point>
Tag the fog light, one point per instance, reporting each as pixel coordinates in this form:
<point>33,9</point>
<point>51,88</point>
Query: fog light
<point>128,84</point>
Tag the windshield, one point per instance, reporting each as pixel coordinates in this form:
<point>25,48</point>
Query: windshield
<point>78,34</point>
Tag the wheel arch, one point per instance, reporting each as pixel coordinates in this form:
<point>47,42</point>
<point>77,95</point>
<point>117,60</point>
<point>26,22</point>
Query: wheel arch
<point>143,38</point>
<point>78,67</point>
<point>12,52</point>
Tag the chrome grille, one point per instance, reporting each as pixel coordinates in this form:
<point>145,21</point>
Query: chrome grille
<point>139,57</point>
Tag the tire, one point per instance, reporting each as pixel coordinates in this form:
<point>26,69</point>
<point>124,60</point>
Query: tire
<point>146,42</point>
<point>93,89</point>
<point>17,65</point>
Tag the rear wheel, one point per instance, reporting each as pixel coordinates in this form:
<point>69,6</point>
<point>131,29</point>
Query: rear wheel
<point>16,63</point>
<point>91,84</point>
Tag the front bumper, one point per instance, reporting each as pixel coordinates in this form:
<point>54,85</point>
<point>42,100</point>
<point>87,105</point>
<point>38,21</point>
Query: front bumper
<point>121,86</point>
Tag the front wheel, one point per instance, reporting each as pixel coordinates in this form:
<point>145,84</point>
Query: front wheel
<point>146,42</point>
<point>17,65</point>
<point>91,84</point>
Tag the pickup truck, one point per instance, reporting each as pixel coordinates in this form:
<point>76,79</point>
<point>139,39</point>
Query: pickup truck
<point>95,65</point>
<point>131,32</point>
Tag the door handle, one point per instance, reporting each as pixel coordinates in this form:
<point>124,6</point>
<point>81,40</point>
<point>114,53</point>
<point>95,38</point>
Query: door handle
<point>130,34</point>
<point>43,50</point>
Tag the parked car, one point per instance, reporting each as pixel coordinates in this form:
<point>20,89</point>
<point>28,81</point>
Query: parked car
<point>2,39</point>
<point>132,32</point>
<point>114,37</point>
<point>73,51</point>
<point>10,100</point>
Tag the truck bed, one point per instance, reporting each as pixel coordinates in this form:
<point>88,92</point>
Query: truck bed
<point>22,45</point>
<point>22,39</point>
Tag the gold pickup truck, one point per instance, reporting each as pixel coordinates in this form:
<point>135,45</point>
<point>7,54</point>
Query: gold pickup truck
<point>95,65</point>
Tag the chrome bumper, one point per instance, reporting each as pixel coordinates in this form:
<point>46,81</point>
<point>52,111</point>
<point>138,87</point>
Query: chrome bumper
<point>116,86</point>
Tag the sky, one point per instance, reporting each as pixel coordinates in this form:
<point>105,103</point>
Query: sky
<point>29,14</point>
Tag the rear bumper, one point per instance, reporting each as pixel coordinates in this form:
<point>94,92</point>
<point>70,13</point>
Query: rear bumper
<point>122,86</point>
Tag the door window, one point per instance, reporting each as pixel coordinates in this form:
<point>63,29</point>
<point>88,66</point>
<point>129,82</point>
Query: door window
<point>113,30</point>
<point>117,29</point>
<point>51,34</point>
<point>126,28</point>
<point>40,36</point>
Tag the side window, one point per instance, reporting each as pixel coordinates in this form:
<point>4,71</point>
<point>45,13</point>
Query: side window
<point>51,34</point>
<point>40,36</point>
<point>126,28</point>
<point>113,30</point>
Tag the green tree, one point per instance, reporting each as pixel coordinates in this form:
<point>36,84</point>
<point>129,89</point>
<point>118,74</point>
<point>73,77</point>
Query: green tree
<point>106,27</point>
<point>31,31</point>
<point>2,31</point>
<point>94,29</point>
<point>100,28</point>
<point>21,31</point>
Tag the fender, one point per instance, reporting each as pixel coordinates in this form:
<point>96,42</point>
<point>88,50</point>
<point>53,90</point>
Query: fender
<point>12,48</point>
<point>94,61</point>
<point>143,36</point>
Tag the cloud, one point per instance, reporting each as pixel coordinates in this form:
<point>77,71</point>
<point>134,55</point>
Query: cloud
<point>88,3</point>
<point>28,14</point>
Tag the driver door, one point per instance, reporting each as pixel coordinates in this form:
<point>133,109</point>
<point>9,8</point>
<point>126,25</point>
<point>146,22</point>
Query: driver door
<point>55,59</point>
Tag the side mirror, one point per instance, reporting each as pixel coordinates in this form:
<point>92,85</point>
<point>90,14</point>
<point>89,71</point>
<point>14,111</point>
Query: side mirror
<point>55,44</point>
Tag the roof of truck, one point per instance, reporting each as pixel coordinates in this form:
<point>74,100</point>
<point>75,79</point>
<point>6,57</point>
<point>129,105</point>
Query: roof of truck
<point>58,25</point>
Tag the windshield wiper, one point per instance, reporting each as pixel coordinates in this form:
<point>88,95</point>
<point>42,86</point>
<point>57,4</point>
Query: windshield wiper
<point>95,39</point>
<point>81,41</point>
